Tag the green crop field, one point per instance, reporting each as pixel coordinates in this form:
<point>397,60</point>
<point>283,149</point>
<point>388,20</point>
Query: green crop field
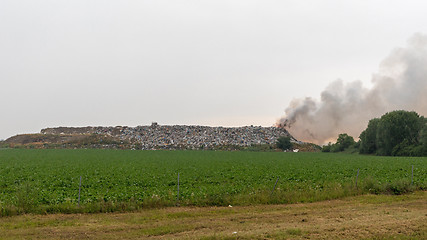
<point>42,181</point>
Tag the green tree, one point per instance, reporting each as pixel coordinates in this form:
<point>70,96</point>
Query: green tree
<point>423,139</point>
<point>344,141</point>
<point>396,131</point>
<point>284,143</point>
<point>327,148</point>
<point>368,138</point>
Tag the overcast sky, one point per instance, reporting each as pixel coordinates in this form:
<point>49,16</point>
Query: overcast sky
<point>218,63</point>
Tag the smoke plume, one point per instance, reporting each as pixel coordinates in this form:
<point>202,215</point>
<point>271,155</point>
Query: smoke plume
<point>400,84</point>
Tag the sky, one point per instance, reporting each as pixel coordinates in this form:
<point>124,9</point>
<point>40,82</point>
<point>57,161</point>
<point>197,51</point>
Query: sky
<point>216,63</point>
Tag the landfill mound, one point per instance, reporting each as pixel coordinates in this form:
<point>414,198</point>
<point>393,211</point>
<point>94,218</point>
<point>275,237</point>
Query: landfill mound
<point>152,137</point>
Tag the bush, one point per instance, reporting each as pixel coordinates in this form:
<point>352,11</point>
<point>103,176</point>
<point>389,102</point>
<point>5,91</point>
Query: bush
<point>284,143</point>
<point>399,187</point>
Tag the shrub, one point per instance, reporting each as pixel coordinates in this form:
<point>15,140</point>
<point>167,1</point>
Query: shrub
<point>284,143</point>
<point>399,187</point>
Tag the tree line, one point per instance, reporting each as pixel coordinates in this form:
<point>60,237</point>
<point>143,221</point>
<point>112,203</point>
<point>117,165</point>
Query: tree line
<point>397,133</point>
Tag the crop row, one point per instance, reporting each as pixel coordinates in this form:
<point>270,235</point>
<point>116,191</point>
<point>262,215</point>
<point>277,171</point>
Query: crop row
<point>48,180</point>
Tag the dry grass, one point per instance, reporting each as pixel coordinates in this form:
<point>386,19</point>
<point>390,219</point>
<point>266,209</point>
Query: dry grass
<point>361,217</point>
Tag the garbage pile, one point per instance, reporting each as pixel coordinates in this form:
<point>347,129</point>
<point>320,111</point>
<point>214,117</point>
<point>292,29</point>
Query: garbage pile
<point>182,136</point>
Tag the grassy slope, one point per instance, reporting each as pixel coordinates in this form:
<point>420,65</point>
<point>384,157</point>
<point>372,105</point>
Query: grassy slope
<point>360,217</point>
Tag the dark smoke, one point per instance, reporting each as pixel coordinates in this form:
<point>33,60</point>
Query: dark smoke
<point>400,83</point>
